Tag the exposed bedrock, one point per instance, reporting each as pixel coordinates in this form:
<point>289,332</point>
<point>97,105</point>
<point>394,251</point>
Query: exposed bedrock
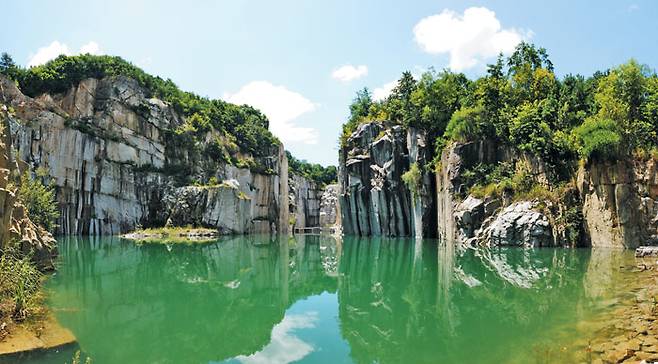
<point>620,203</point>
<point>305,197</point>
<point>104,145</point>
<point>373,198</point>
<point>15,224</point>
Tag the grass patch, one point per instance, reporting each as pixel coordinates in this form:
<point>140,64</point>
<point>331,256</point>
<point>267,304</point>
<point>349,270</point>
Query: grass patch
<point>174,235</point>
<point>21,298</point>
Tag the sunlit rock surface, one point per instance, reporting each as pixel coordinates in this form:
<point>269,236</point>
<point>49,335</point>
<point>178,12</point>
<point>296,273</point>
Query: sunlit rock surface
<point>103,144</point>
<point>15,224</point>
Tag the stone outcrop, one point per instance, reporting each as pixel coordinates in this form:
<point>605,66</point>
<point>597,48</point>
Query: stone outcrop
<point>374,200</point>
<point>620,203</point>
<point>305,198</point>
<point>458,221</point>
<point>518,225</point>
<point>104,143</point>
<point>329,206</point>
<point>15,224</point>
<point>423,204</point>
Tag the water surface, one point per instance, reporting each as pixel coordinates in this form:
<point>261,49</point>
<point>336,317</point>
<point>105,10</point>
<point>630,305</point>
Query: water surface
<point>256,299</point>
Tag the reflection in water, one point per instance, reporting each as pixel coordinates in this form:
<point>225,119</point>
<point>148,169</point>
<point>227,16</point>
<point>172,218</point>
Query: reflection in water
<point>259,299</point>
<point>284,346</point>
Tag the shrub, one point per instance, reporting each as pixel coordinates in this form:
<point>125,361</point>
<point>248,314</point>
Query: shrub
<point>39,201</point>
<point>464,125</point>
<point>20,283</point>
<point>599,138</point>
<point>528,131</point>
<point>412,179</point>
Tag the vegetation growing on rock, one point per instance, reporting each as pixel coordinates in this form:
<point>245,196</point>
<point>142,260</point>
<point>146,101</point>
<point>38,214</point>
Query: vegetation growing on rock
<point>242,125</point>
<point>521,102</point>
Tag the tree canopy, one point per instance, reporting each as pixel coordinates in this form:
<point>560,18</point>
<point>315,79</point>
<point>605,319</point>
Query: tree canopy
<point>522,103</point>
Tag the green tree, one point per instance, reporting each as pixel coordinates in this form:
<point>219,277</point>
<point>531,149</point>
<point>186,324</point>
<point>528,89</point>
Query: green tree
<point>399,105</point>
<point>359,111</point>
<point>39,200</point>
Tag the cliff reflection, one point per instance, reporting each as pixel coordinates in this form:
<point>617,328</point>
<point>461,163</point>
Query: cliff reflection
<point>199,303</point>
<point>312,298</point>
<point>439,304</point>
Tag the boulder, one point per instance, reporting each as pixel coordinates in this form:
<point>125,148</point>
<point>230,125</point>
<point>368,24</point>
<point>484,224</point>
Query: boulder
<point>518,225</point>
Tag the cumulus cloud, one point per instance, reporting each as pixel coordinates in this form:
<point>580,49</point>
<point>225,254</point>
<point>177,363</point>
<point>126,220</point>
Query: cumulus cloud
<point>54,49</point>
<point>467,38</point>
<point>281,106</point>
<point>349,72</point>
<point>382,92</point>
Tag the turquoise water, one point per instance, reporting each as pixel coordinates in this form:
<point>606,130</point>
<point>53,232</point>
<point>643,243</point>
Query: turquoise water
<point>256,299</point>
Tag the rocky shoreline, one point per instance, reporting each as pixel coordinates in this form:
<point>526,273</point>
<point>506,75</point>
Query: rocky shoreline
<point>626,331</point>
<point>25,338</point>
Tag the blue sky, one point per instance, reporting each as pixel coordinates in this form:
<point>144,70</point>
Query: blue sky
<point>282,55</point>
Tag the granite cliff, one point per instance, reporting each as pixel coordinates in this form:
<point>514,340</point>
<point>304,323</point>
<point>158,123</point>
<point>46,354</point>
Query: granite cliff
<point>605,204</point>
<point>15,224</point>
<point>109,150</point>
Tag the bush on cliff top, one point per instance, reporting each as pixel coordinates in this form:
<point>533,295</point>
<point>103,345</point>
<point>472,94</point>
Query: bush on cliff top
<point>249,125</point>
<point>522,104</point>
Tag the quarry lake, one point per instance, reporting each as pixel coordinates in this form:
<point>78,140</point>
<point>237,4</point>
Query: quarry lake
<point>315,299</point>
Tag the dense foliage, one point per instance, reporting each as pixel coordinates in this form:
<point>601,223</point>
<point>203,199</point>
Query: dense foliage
<point>39,200</point>
<point>247,126</point>
<point>314,172</point>
<point>520,102</point>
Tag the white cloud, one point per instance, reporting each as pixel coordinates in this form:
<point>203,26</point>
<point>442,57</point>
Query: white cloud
<point>91,48</point>
<point>281,106</point>
<point>348,72</point>
<point>54,49</point>
<point>381,93</point>
<point>284,346</point>
<point>45,54</point>
<point>469,38</point>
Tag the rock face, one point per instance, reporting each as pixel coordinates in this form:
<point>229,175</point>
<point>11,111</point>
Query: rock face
<point>15,225</point>
<point>305,198</point>
<point>519,225</point>
<point>329,206</point>
<point>373,198</point>
<point>620,203</point>
<point>104,144</point>
<point>458,221</point>
<point>423,204</point>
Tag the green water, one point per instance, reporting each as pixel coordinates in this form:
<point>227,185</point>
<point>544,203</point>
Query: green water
<point>255,299</point>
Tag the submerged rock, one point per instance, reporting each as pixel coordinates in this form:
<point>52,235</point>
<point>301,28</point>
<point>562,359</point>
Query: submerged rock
<point>646,251</point>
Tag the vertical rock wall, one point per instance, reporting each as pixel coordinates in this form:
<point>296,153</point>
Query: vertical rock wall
<point>104,146</point>
<point>305,198</point>
<point>15,224</point>
<point>329,206</point>
<point>373,199</point>
<point>620,203</point>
